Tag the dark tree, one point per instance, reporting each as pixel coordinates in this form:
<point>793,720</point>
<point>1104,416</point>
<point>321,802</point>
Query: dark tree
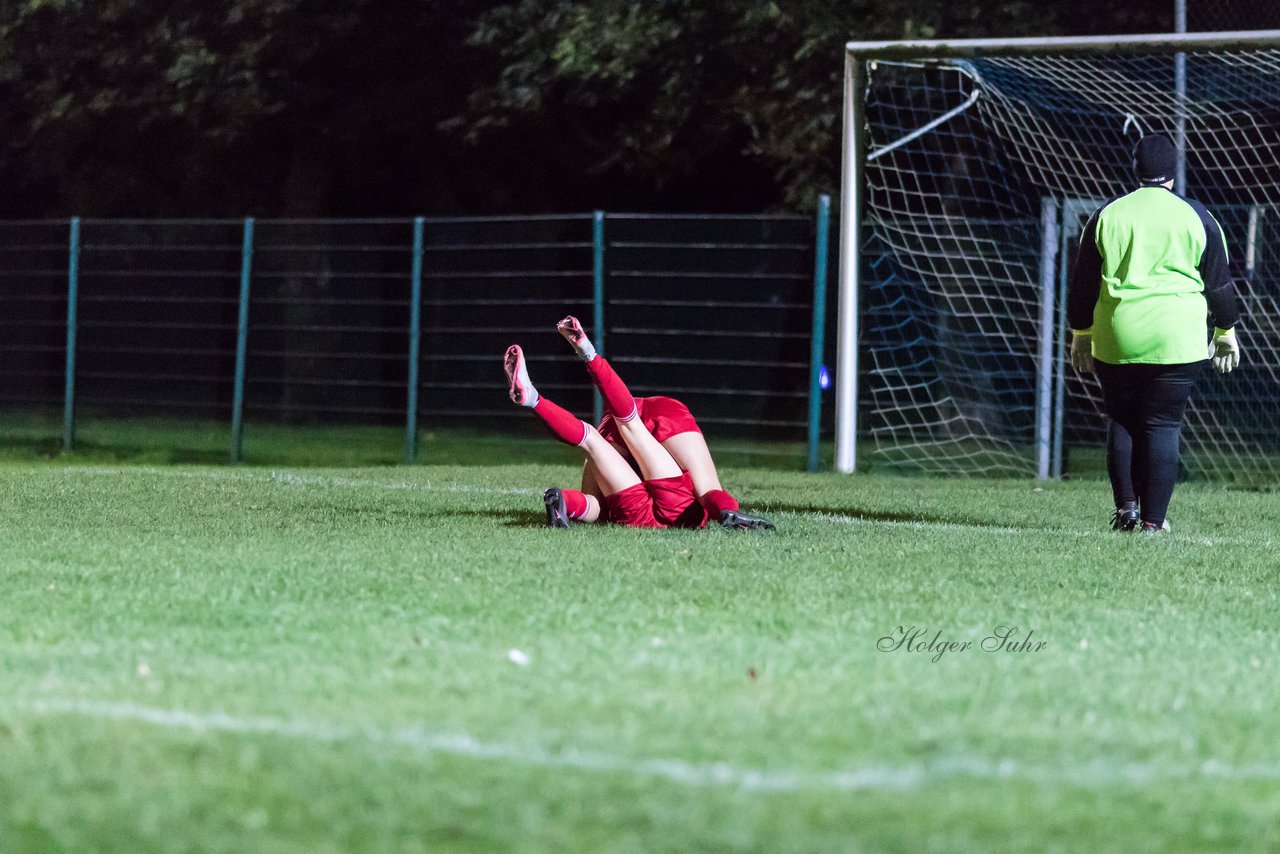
<point>132,107</point>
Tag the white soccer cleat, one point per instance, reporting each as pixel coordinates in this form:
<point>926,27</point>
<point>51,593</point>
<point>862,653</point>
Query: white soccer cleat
<point>521,388</point>
<point>573,332</point>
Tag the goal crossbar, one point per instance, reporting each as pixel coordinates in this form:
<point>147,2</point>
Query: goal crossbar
<point>855,155</point>
<point>1058,45</point>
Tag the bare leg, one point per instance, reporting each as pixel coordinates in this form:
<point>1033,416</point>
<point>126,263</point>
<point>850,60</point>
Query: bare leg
<point>590,483</point>
<point>691,453</point>
<point>609,472</point>
<point>612,473</point>
<point>654,460</point>
<point>593,511</point>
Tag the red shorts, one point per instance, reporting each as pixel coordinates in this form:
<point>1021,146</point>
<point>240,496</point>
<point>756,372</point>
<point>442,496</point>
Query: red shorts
<point>667,502</point>
<point>664,416</point>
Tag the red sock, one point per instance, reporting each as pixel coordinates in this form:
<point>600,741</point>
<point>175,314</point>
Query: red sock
<point>566,426</point>
<point>617,397</point>
<point>575,503</point>
<point>716,501</point>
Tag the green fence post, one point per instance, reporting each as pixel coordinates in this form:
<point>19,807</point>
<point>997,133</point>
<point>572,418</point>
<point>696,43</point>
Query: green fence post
<point>415,345</point>
<point>73,298</point>
<point>819,327</point>
<point>242,343</point>
<point>597,299</point>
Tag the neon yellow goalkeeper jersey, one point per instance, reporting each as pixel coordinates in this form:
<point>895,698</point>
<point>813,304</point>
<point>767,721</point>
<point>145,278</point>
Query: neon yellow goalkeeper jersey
<point>1150,268</point>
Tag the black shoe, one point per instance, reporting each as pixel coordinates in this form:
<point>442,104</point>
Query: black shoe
<point>1125,518</point>
<point>557,513</point>
<point>1152,528</point>
<point>740,521</point>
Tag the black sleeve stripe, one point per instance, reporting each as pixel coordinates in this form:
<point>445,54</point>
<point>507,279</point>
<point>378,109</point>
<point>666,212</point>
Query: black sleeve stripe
<point>1219,293</point>
<point>1085,283</point>
<point>1086,277</point>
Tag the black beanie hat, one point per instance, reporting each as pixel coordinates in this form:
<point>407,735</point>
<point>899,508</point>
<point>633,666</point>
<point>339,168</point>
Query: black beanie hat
<point>1154,159</point>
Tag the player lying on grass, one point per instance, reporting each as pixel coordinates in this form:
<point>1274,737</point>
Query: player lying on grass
<point>647,465</point>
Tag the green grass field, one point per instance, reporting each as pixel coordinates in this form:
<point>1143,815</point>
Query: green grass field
<point>403,659</point>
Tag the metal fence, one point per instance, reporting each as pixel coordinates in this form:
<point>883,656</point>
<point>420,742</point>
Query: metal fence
<point>405,321</point>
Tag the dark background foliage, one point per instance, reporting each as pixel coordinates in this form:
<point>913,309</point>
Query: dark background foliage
<point>395,107</point>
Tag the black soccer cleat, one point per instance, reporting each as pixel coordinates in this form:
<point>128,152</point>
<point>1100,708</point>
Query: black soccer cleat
<point>557,512</point>
<point>737,520</point>
<point>1125,518</point>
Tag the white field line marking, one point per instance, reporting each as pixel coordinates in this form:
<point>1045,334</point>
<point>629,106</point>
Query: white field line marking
<point>1092,774</point>
<point>920,524</point>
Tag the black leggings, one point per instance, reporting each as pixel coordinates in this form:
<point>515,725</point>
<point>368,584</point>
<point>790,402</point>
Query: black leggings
<point>1145,404</point>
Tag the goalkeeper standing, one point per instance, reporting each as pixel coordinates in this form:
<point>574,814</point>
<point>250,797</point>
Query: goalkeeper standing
<point>1151,265</point>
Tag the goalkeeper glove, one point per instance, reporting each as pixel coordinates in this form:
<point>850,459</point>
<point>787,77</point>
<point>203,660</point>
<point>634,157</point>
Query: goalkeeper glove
<point>1225,351</point>
<point>1082,351</point>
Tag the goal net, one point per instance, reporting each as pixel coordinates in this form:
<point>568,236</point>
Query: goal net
<point>978,176</point>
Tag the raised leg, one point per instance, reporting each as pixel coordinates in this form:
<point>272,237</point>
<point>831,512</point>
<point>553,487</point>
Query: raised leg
<point>654,460</point>
<point>610,473</point>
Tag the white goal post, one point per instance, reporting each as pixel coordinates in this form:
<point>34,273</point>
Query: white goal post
<point>921,207</point>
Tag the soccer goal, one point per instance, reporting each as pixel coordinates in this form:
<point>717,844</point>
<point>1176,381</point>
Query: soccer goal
<point>969,168</point>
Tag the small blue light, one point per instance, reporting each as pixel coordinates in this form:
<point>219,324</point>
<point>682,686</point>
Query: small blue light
<point>824,378</point>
